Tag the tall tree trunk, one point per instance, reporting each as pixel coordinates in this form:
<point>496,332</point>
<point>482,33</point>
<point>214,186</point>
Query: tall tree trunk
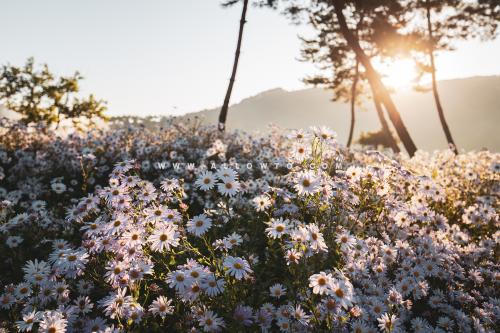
<point>385,126</point>
<point>58,118</point>
<point>374,80</point>
<point>225,106</point>
<point>354,93</point>
<point>437,100</point>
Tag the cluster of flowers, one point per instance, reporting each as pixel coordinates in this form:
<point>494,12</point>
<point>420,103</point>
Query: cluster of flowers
<point>96,240</point>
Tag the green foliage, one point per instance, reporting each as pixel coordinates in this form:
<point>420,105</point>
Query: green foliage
<point>258,3</point>
<point>39,96</point>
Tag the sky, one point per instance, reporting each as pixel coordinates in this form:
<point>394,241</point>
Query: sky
<point>169,57</point>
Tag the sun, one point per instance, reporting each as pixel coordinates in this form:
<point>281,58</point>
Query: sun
<point>398,74</point>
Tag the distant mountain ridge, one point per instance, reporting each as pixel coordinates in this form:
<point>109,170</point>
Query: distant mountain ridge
<point>471,106</point>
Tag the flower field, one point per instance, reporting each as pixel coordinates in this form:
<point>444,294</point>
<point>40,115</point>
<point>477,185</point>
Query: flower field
<point>182,229</point>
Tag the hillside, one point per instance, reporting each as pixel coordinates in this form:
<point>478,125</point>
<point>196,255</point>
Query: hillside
<point>472,107</point>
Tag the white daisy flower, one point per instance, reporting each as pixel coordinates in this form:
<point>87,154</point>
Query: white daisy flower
<point>387,323</point>
<point>299,135</point>
<point>346,241</point>
<point>228,188</point>
<point>199,225</point>
<point>53,322</point>
<point>307,183</point>
<point>161,306</point>
<point>292,256</point>
<point>237,267</point>
<point>58,187</point>
<point>26,325</point>
<point>320,282</point>
<point>206,181</point>
<point>212,286</point>
<point>277,228</point>
<point>210,322</point>
<point>324,133</point>
<point>261,203</point>
<point>227,175</point>
<point>342,292</point>
<point>36,271</point>
<point>300,150</point>
<point>179,280</point>
<point>13,241</point>
<point>164,238</point>
<point>277,290</point>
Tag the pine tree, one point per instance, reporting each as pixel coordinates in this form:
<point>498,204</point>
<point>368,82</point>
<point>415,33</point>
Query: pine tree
<point>440,23</point>
<point>372,75</point>
<point>333,54</point>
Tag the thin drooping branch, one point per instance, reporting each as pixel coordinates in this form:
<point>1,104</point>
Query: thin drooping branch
<point>437,100</point>
<point>374,80</point>
<point>353,102</point>
<point>227,98</point>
